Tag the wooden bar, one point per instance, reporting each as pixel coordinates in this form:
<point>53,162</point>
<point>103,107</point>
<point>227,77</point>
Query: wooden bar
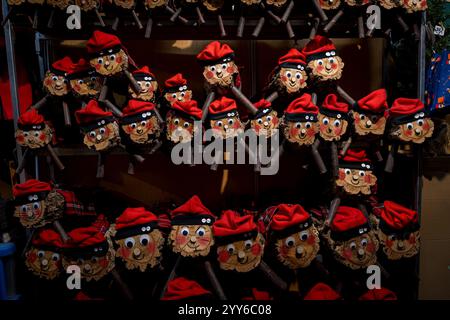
<point>320,11</point>
<point>65,237</point>
<point>66,112</point>
<point>136,19</point>
<point>287,12</point>
<point>317,158</point>
<point>333,21</point>
<point>272,276</point>
<point>122,285</point>
<point>209,99</point>
<point>148,29</point>
<point>259,27</point>
<point>55,157</point>
<point>214,281</point>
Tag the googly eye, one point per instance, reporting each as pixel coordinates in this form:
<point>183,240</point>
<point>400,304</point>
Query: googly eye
<point>183,94</point>
<point>392,237</point>
<point>304,235</point>
<point>288,74</point>
<point>100,60</point>
<point>23,208</point>
<point>331,60</point>
<point>201,232</point>
<point>364,242</point>
<point>259,121</point>
<point>55,257</point>
<point>420,122</point>
<point>325,121</point>
<point>362,173</point>
<point>102,130</point>
<point>298,125</point>
<point>298,75</point>
<point>144,239</point>
<point>320,62</point>
<point>112,57</point>
<point>54,78</point>
<point>337,123</point>
<point>212,68</point>
<point>219,123</point>
<point>231,248</point>
<point>348,171</point>
<point>269,118</point>
<point>36,134</point>
<point>230,121</point>
<point>362,116</point>
<point>174,95</point>
<point>133,125</point>
<point>25,134</point>
<point>224,66</point>
<point>308,125</point>
<point>41,254</point>
<point>92,134</point>
<point>93,79</point>
<point>94,259</point>
<point>352,245</point>
<point>248,244</point>
<point>186,124</point>
<point>143,123</point>
<point>80,81</point>
<point>184,231</point>
<point>129,242</point>
<point>289,242</point>
<point>409,126</point>
<point>176,121</point>
<point>36,205</point>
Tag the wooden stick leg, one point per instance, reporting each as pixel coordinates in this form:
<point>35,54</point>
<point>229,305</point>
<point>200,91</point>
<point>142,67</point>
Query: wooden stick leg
<point>172,275</point>
<point>314,98</point>
<point>223,32</point>
<point>30,233</point>
<point>65,237</point>
<point>378,156</point>
<point>66,112</point>
<point>8,16</point>
<point>40,103</point>
<point>22,162</point>
<point>35,19</point>
<point>318,263</point>
<point>363,209</point>
<point>333,208</point>
<point>134,84</point>
<point>317,158</point>
<point>259,27</point>
<point>175,15</point>
<point>334,159</point>
<point>244,100</point>
<point>241,25</point>
<point>122,285</point>
<point>55,157</point>
<point>209,99</point>
<point>402,23</point>
<point>104,90</point>
<point>217,158</point>
<point>136,19</point>
<point>108,104</point>
<point>214,281</point>
<point>99,17</point>
<point>130,170</point>
<point>287,12</point>
<point>115,24</point>
<point>390,159</point>
<point>333,21</point>
<point>273,16</point>
<point>290,30</point>
<point>50,19</point>
<point>320,11</point>
<point>272,276</point>
<point>158,115</point>
<point>156,147</point>
<point>201,19</point>
<point>361,33</point>
<point>346,146</point>
<point>100,167</point>
<point>345,95</point>
<point>274,96</point>
<point>148,29</point>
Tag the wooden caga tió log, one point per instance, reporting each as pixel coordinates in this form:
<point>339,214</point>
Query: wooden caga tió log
<point>335,203</point>
<point>65,237</point>
<point>389,167</point>
<point>287,12</point>
<point>40,103</point>
<point>223,32</point>
<point>272,276</point>
<point>320,11</point>
<point>66,113</point>
<point>55,157</point>
<point>214,281</point>
<point>201,19</point>
<point>136,19</point>
<point>51,19</point>
<point>259,26</point>
<point>122,285</point>
<point>345,95</point>
<point>243,99</point>
<point>333,20</point>
<point>378,156</point>
<point>334,158</point>
<point>35,23</point>
<point>317,158</point>
<point>209,99</point>
<point>134,84</point>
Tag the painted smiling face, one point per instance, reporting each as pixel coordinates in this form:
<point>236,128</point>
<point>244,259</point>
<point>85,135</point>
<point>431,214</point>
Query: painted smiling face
<point>114,61</point>
<point>43,263</point>
<point>356,181</point>
<point>368,124</point>
<point>87,5</point>
<point>148,89</point>
<point>179,128</point>
<point>329,4</point>
<point>299,249</point>
<point>358,252</point>
<point>152,4</point>
<point>180,96</point>
<point>241,256</point>
<point>414,131</point>
<point>330,128</point>
<point>302,133</point>
<point>40,209</point>
<point>103,137</point>
<point>292,80</point>
<point>327,68</point>
<point>191,240</point>
<point>141,251</point>
<point>143,131</point>
<point>389,4</point>
<point>266,125</point>
<point>221,74</point>
<point>92,267</point>
<point>56,85</point>
<point>398,246</point>
<point>90,85</point>
<point>415,5</point>
<point>228,127</point>
<point>34,139</point>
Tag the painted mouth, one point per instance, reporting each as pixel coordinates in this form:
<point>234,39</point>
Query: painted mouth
<point>242,260</point>
<point>138,257</point>
<point>193,246</point>
<point>354,182</point>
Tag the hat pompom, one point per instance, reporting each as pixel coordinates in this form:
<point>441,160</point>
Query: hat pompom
<point>397,216</point>
<point>182,288</point>
<point>189,108</point>
<point>231,224</point>
<point>322,291</point>
<point>287,216</point>
<point>175,81</point>
<point>91,112</point>
<point>30,117</point>
<point>31,186</point>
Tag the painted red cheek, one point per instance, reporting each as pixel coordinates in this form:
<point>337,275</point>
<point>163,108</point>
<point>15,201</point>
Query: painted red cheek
<point>311,239</point>
<point>170,99</point>
<point>284,78</point>
<point>371,247</point>
<point>347,253</point>
<point>236,125</point>
<point>119,59</point>
<point>209,75</point>
<point>223,256</point>
<point>103,262</point>
<point>408,132</point>
<point>293,132</point>
<point>149,125</point>
<point>230,69</point>
<point>20,138</point>
<point>357,120</point>
<point>42,136</point>
<point>412,239</point>
<point>256,249</point>
<point>320,69</point>
<point>151,247</point>
<point>203,240</point>
<point>180,240</point>
<point>334,66</point>
<point>337,131</point>
<point>389,243</point>
<point>275,120</point>
<point>256,127</point>
<point>284,250</point>
<point>323,127</point>
<point>97,66</point>
<point>367,179</point>
<point>187,96</point>
<point>310,132</point>
<point>76,87</point>
<point>32,257</point>
<point>172,127</point>
<point>426,126</point>
<point>341,175</point>
<point>302,81</point>
<point>47,82</point>
<point>124,252</point>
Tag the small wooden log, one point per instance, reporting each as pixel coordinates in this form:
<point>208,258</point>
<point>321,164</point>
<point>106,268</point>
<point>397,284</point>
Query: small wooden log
<point>314,98</point>
<point>333,21</point>
<point>175,15</point>
<point>334,158</point>
<point>104,90</point>
<point>8,16</point>
<point>111,107</point>
<point>290,30</point>
<point>272,276</point>
<point>258,27</point>
<point>115,24</point>
<point>156,147</point>
<point>241,25</point>
<point>378,156</point>
<point>390,159</point>
<point>122,285</point>
<point>244,100</point>
<point>134,84</point>
<point>361,33</point>
<point>214,281</point>
<point>148,29</point>
<point>209,99</point>
<point>100,166</point>
<point>320,11</point>
<point>55,157</point>
<point>223,32</point>
<point>30,233</point>
<point>273,96</point>
<point>346,146</point>
<point>35,23</point>
<point>158,115</point>
<point>402,23</point>
<point>136,19</point>
<point>345,95</point>
<point>201,19</point>
<point>40,103</point>
<point>172,275</point>
<point>66,112</point>
<point>51,19</point>
<point>22,162</point>
<point>287,12</point>
<point>314,28</point>
<point>317,158</point>
<point>273,16</point>
<point>65,237</point>
<point>179,17</point>
<point>335,203</point>
<point>99,17</point>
